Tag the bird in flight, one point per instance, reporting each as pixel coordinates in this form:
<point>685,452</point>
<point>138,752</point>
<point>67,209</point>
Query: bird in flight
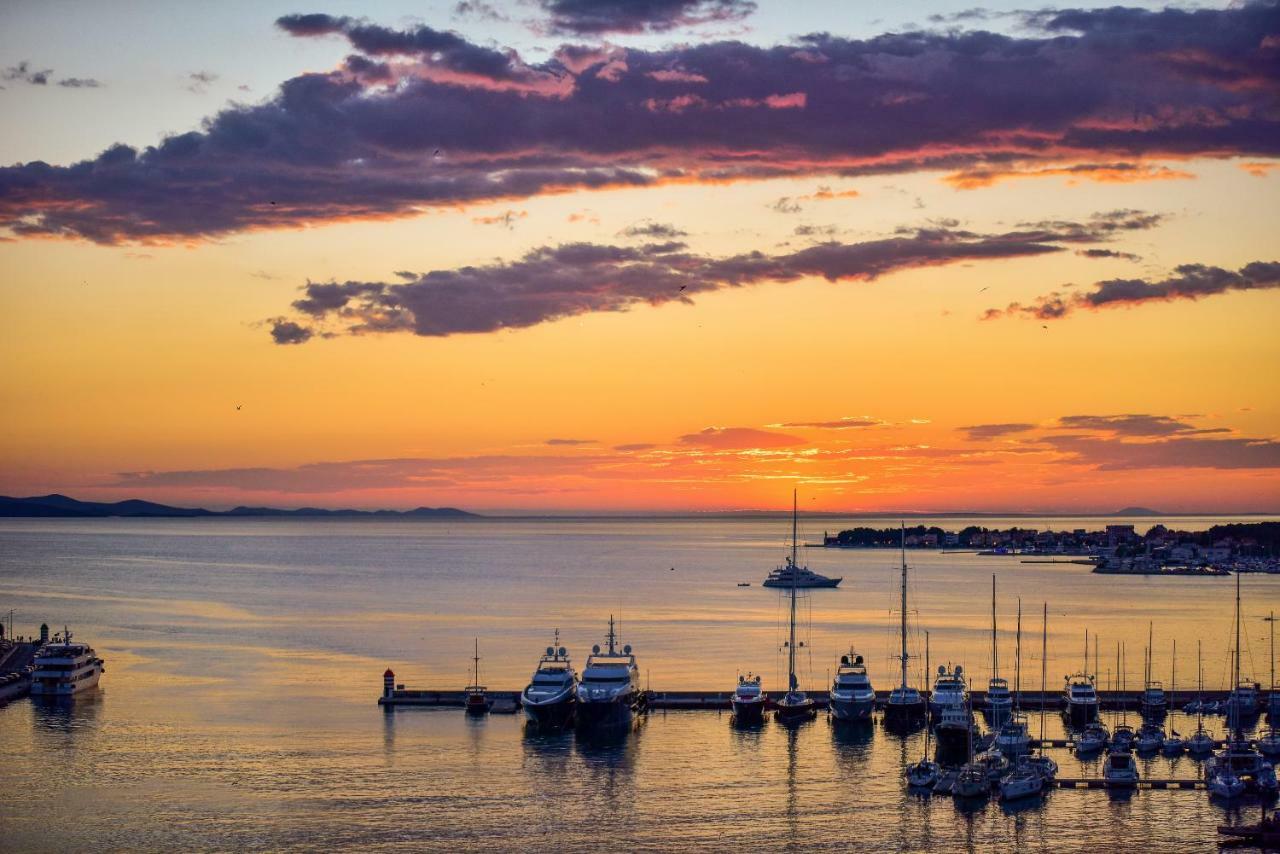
<point>682,287</point>
<point>238,405</point>
<point>983,289</point>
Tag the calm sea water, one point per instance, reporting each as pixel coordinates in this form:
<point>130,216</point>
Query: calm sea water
<point>244,659</point>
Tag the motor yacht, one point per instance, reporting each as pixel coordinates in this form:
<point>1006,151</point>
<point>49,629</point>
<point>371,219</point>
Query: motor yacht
<point>1120,769</point>
<point>1150,738</point>
<point>1154,703</point>
<point>1094,738</point>
<point>1122,738</point>
<point>852,697</point>
<point>955,732</point>
<point>1082,699</point>
<point>790,575</point>
<point>609,690</point>
<point>748,701</point>
<point>64,668</point>
<point>550,698</point>
<point>1225,785</point>
<point>949,689</point>
<point>1240,759</point>
<point>1013,739</point>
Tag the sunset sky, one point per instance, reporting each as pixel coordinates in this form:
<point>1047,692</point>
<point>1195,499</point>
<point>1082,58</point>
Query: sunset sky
<point>594,255</point>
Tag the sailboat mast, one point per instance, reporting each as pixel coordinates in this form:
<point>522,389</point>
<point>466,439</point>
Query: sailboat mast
<point>904,608</point>
<point>1044,659</point>
<point>1173,679</point>
<point>995,652</point>
<point>477,660</point>
<point>791,646</point>
<point>926,682</point>
<point>1234,707</point>
<point>1017,662</point>
<point>1199,688</point>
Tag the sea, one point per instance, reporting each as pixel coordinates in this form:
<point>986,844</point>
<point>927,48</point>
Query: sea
<point>244,660</point>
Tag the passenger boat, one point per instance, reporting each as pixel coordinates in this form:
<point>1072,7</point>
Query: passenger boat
<point>609,689</point>
<point>550,698</point>
<point>852,698</point>
<point>748,701</point>
<point>64,668</point>
<point>795,706</point>
<point>905,706</point>
<point>477,699</point>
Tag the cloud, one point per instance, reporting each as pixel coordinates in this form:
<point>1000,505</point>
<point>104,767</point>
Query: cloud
<point>198,81</point>
<point>359,141</point>
<point>657,230</point>
<point>24,73</point>
<point>1108,253</point>
<point>1135,425</point>
<point>1189,282</point>
<point>1106,173</point>
<point>846,423</point>
<point>635,446</point>
<point>1111,454</point>
<point>287,332</point>
<point>550,283</point>
<point>570,442</point>
<point>597,17</point>
<point>1260,169</point>
<point>983,432</point>
<point>506,219</point>
<point>739,438</point>
<point>479,9</point>
<point>80,83</point>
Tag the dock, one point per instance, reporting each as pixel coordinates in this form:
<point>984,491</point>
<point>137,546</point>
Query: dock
<point>15,668</point>
<point>1096,783</point>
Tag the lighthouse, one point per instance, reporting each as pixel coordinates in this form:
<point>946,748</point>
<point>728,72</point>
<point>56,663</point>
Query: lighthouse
<point>388,683</point>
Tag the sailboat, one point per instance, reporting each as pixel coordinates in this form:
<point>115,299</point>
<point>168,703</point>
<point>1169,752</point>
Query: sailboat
<point>1154,706</point>
<point>477,700</point>
<point>1173,744</point>
<point>905,706</point>
<point>1123,736</point>
<point>1269,743</point>
<point>795,706</point>
<point>1043,763</point>
<point>924,774</point>
<point>1120,768</point>
<point>1012,739</point>
<point>1201,742</point>
<point>999,702</point>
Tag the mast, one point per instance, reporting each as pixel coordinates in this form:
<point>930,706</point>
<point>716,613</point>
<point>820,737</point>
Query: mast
<point>904,611</point>
<point>1233,708</point>
<point>1150,651</point>
<point>1199,690</point>
<point>613,638</point>
<point>1173,679</point>
<point>926,682</point>
<point>1017,665</point>
<point>995,652</point>
<point>477,661</point>
<point>791,646</point>
<point>1044,658</point>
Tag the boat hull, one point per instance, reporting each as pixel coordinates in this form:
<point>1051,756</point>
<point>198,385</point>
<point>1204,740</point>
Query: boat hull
<point>553,715</point>
<point>1082,713</point>
<point>803,585</point>
<point>954,745</point>
<point>748,712</point>
<point>615,714</point>
<point>849,709</point>
<point>795,713</point>
<point>904,714</point>
<point>51,688</point>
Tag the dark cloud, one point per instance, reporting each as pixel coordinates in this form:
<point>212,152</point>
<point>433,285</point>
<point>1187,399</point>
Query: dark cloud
<point>1108,253</point>
<point>658,230</point>
<point>361,141</point>
<point>597,17</point>
<point>479,9</point>
<point>841,424</point>
<point>570,442</point>
<point>983,432</point>
<point>24,73</point>
<point>80,83</point>
<point>739,438</point>
<point>1135,425</point>
<point>287,332</point>
<point>550,283</point>
<point>1189,282</point>
<point>1113,454</point>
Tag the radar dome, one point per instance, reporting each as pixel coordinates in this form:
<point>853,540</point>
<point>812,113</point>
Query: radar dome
<point>595,650</point>
<point>626,650</point>
<point>844,659</point>
<point>551,650</point>
<point>857,660</point>
<point>564,651</point>
<point>959,670</point>
<point>941,669</point>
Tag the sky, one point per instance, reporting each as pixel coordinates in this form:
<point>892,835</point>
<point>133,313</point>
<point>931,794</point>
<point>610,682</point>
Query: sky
<point>607,256</point>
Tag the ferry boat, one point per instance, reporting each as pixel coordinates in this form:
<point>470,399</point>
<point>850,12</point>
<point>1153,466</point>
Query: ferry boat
<point>790,575</point>
<point>609,690</point>
<point>64,668</point>
<point>1082,699</point>
<point>948,689</point>
<point>748,701</point>
<point>549,700</point>
<point>852,697</point>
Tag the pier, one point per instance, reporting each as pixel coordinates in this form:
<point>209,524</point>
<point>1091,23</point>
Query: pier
<point>15,668</point>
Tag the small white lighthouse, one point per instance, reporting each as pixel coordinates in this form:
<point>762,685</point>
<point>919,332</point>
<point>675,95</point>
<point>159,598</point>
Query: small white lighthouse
<point>388,683</point>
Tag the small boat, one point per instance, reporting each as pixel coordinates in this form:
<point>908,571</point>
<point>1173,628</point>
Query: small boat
<point>744,583</point>
<point>1094,738</point>
<point>1173,745</point>
<point>995,764</point>
<point>948,689</point>
<point>972,781</point>
<point>1201,742</point>
<point>1225,785</point>
<point>1122,738</point>
<point>1150,739</point>
<point>1266,833</point>
<point>1120,769</point>
<point>1013,739</point>
<point>852,698</point>
<point>923,774</point>
<point>1269,743</point>
<point>477,700</point>
<point>748,701</point>
<point>1044,765</point>
<point>1023,781</point>
<point>550,698</point>
<point>609,691</point>
<point>63,668</point>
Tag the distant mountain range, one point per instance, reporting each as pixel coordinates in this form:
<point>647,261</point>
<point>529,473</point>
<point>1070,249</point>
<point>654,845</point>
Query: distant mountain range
<point>60,506</point>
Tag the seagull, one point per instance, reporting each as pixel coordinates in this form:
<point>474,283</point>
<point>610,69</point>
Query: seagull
<point>238,405</point>
<point>273,203</point>
<point>682,287</point>
<point>1042,326</point>
<point>437,153</point>
<point>983,289</point>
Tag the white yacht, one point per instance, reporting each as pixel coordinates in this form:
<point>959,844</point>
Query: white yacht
<point>748,701</point>
<point>1094,738</point>
<point>550,698</point>
<point>852,697</point>
<point>1120,769</point>
<point>609,690</point>
<point>949,689</point>
<point>1023,782</point>
<point>1013,738</point>
<point>1082,699</point>
<point>790,575</point>
<point>64,669</point>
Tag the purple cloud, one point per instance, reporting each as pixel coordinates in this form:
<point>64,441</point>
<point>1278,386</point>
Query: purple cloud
<point>739,438</point>
<point>1135,425</point>
<point>407,123</point>
<point>550,283</point>
<point>1113,454</point>
<point>597,17</point>
<point>983,432</point>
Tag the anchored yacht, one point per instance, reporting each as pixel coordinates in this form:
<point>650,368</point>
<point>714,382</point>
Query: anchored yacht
<point>64,669</point>
<point>550,698</point>
<point>852,697</point>
<point>948,689</point>
<point>609,691</point>
<point>748,701</point>
<point>790,575</point>
<point>1082,699</point>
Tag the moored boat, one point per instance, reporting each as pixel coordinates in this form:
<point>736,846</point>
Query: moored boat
<point>748,701</point>
<point>550,698</point>
<point>64,668</point>
<point>477,700</point>
<point>905,706</point>
<point>852,698</point>
<point>795,706</point>
<point>609,690</point>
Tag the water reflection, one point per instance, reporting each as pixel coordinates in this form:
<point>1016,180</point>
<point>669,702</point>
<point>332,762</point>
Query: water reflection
<point>69,716</point>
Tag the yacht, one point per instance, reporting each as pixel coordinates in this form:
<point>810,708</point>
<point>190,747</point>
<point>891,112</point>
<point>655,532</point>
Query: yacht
<point>852,697</point>
<point>1082,699</point>
<point>549,699</point>
<point>477,699</point>
<point>795,706</point>
<point>1239,759</point>
<point>64,668</point>
<point>1269,743</point>
<point>905,706</point>
<point>1201,742</point>
<point>955,736</point>
<point>1225,785</point>
<point>923,774</point>
<point>999,700</point>
<point>972,781</point>
<point>609,691</point>
<point>748,701</point>
<point>1013,739</point>
<point>948,689</point>
<point>1242,703</point>
<point>1120,769</point>
<point>1154,705</point>
<point>1122,738</point>
<point>1150,738</point>
<point>790,575</point>
<point>1173,744</point>
<point>1024,781</point>
<point>1094,738</point>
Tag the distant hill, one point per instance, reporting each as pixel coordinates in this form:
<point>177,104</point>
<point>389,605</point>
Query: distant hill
<point>1139,511</point>
<point>61,506</point>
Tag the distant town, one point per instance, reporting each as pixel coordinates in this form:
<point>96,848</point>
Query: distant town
<point>1116,549</point>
